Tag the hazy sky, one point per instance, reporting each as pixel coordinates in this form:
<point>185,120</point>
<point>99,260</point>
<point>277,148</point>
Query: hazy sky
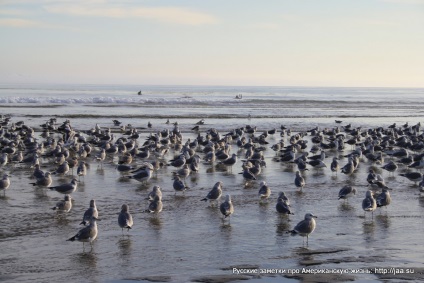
<point>213,42</point>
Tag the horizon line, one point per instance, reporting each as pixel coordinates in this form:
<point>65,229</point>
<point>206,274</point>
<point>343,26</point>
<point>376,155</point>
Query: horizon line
<point>199,85</point>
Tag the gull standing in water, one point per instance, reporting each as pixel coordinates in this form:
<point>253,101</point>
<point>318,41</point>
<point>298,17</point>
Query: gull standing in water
<point>229,162</point>
<point>44,181</point>
<point>335,165</point>
<point>264,191</point>
<point>391,167</point>
<point>283,196</point>
<point>4,183</point>
<point>143,175</point>
<point>305,227</point>
<point>299,181</point>
<point>125,219</point>
<point>62,169</point>
<point>215,193</point>
<point>227,207</point>
<point>101,157</point>
<point>64,205</point>
<point>90,212</point>
<point>384,198</point>
<point>82,169</point>
<point>66,188</point>
<point>349,167</point>
<point>179,185</point>
<point>369,203</point>
<point>413,176</point>
<point>346,192</point>
<point>283,204</point>
<point>4,159</point>
<point>154,194</point>
<point>155,206</point>
<point>87,234</point>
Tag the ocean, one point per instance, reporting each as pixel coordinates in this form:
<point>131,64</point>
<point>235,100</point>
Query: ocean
<point>298,107</point>
<point>188,241</point>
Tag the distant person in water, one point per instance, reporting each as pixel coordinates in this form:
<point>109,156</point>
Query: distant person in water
<point>139,92</point>
<point>239,96</point>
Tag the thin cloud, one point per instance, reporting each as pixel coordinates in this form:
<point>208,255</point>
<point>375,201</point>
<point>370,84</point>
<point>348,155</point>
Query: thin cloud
<point>13,12</point>
<point>265,26</point>
<point>20,23</point>
<point>162,14</point>
<point>415,2</point>
<point>376,22</point>
<point>25,23</point>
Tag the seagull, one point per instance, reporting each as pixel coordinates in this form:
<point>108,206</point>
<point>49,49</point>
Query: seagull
<point>384,198</point>
<point>264,191</point>
<point>305,227</point>
<point>154,194</point>
<point>346,192</point>
<point>283,205</point>
<point>62,169</point>
<point>82,169</point>
<point>68,188</point>
<point>87,234</point>
<point>299,181</point>
<point>125,219</point>
<point>155,206</point>
<point>178,162</point>
<point>369,203</point>
<point>143,175</point>
<point>349,167</point>
<point>44,181</point>
<point>317,163</point>
<point>64,205</point>
<point>283,196</point>
<point>391,167</point>
<point>4,183</point>
<point>229,162</point>
<point>413,176</point>
<point>227,207</point>
<point>90,212</point>
<point>215,193</point>
<point>179,185</point>
<point>335,165</point>
<point>247,175</point>
<point>101,157</point>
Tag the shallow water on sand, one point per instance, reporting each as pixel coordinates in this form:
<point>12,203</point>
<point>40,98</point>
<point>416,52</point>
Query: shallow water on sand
<point>188,241</point>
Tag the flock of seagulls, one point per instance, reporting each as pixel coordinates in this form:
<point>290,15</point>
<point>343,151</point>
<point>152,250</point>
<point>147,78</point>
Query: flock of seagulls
<point>64,148</point>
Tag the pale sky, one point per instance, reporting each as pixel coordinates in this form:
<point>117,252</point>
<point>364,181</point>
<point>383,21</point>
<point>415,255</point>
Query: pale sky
<point>213,42</point>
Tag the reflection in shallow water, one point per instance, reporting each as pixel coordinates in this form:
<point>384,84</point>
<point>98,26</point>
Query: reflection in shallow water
<point>124,245</point>
<point>345,206</point>
<point>86,259</point>
<point>283,226</point>
<point>155,222</point>
<point>368,227</point>
<point>383,221</point>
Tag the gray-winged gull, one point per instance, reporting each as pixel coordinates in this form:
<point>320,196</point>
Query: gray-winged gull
<point>215,193</point>
<point>90,212</point>
<point>87,234</point>
<point>125,219</point>
<point>305,227</point>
